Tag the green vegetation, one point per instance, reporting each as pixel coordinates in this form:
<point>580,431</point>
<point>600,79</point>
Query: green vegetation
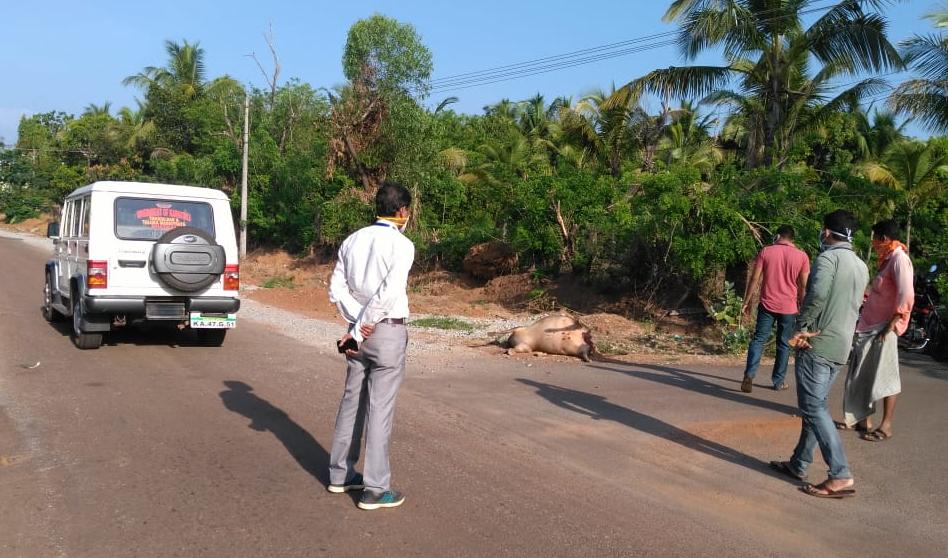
<point>279,282</point>
<point>667,203</point>
<point>443,322</point>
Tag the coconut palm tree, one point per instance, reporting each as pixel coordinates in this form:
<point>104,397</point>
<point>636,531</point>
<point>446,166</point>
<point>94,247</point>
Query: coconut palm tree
<point>600,127</point>
<point>915,170</point>
<point>768,55</point>
<point>687,139</point>
<point>499,158</point>
<point>926,97</point>
<point>93,109</point>
<point>138,131</point>
<point>875,134</point>
<point>184,70</point>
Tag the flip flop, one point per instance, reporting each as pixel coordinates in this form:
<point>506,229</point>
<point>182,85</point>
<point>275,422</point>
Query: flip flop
<point>815,491</point>
<point>840,425</point>
<point>783,468</point>
<point>875,436</point>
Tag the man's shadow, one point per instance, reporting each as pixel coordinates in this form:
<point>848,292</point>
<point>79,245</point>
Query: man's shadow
<point>598,408</point>
<point>691,381</point>
<point>265,417</point>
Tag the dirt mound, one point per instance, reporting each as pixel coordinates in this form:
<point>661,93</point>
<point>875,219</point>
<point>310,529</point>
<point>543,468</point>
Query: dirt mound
<point>276,268</point>
<point>610,326</point>
<point>510,289</point>
<point>490,259</point>
<point>36,225</point>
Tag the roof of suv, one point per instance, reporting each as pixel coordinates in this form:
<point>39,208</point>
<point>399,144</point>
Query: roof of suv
<point>150,188</point>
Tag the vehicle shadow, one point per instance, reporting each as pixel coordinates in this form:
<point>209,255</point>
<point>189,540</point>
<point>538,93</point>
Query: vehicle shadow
<point>599,408</point>
<point>266,417</point>
<point>691,381</point>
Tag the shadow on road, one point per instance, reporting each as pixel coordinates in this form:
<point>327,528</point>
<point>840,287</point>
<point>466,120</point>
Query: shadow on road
<point>597,407</point>
<point>692,381</point>
<point>925,364</point>
<point>265,417</point>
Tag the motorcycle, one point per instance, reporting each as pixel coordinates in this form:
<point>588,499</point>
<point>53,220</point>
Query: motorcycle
<point>927,331</point>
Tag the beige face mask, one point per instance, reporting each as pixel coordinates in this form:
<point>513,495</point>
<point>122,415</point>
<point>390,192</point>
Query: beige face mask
<point>400,222</point>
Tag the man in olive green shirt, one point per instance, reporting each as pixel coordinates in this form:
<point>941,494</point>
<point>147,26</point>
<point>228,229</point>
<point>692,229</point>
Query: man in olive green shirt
<point>824,336</point>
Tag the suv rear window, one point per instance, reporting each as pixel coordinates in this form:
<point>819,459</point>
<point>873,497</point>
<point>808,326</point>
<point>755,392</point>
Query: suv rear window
<point>148,219</point>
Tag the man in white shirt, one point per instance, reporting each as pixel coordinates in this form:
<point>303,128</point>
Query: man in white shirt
<point>369,287</point>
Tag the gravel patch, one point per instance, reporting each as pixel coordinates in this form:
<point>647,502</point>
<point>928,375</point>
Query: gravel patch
<point>323,334</point>
<point>39,242</point>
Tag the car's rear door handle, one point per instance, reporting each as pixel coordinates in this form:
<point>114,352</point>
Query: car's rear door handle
<point>131,263</point>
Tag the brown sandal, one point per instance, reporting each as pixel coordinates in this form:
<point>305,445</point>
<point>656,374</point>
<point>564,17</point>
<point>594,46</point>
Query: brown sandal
<point>875,436</point>
<point>821,491</point>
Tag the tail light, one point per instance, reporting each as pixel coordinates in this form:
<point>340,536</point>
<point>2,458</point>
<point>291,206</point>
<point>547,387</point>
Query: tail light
<point>232,277</point>
<point>97,274</point>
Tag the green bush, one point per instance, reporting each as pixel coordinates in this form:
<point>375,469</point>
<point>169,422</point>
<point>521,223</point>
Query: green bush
<point>443,322</point>
<point>19,203</point>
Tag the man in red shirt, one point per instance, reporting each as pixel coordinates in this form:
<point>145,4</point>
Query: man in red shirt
<point>780,274</point>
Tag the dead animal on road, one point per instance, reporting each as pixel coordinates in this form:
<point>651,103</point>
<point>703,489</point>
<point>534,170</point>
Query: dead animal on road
<point>554,335</point>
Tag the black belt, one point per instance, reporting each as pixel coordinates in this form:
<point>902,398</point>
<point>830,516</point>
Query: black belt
<point>395,321</point>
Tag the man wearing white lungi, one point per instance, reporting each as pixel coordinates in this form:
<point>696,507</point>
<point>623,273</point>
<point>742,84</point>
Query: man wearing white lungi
<point>874,367</point>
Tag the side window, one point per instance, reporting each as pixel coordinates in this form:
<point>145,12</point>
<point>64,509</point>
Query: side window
<point>76,217</point>
<point>86,210</point>
<point>67,220</point>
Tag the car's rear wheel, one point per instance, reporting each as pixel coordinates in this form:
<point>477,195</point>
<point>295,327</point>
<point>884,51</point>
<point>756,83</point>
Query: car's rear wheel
<point>50,313</point>
<point>211,337</point>
<point>81,339</point>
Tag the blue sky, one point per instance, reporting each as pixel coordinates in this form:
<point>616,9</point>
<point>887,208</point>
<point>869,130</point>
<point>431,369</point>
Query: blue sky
<point>64,55</point>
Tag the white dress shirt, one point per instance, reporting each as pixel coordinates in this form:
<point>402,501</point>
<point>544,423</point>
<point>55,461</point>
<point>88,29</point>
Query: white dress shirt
<point>370,281</point>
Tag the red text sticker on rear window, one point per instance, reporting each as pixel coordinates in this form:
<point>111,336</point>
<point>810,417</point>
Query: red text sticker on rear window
<point>163,217</point>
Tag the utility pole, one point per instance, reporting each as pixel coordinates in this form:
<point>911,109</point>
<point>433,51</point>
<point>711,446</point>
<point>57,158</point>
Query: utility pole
<point>243,180</point>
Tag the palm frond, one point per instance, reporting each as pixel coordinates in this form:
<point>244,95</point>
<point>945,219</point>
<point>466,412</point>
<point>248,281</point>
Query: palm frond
<point>927,55</point>
<point>925,100</point>
<point>445,103</point>
<point>940,17</point>
<point>687,82</point>
<point>858,40</point>
<point>731,24</point>
<point>879,174</point>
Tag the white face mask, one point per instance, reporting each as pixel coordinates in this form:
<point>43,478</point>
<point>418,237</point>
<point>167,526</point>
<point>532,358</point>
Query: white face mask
<point>405,224</point>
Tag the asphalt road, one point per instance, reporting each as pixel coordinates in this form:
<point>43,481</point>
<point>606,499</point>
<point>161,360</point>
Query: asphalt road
<point>150,447</point>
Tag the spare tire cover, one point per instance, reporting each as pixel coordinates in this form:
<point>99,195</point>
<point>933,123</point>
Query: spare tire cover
<point>187,259</point>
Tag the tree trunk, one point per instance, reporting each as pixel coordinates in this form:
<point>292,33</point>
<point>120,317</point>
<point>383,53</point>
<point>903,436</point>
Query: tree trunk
<point>908,228</point>
<point>566,255</point>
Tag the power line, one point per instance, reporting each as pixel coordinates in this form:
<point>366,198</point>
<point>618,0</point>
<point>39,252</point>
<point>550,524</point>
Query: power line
<point>576,58</point>
<point>441,82</point>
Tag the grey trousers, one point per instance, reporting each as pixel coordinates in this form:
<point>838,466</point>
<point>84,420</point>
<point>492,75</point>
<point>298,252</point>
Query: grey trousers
<point>368,403</point>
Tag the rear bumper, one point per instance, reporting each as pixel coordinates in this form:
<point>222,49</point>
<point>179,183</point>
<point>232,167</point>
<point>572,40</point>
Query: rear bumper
<point>135,305</point>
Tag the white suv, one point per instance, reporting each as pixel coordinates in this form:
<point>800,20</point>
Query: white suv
<point>130,251</point>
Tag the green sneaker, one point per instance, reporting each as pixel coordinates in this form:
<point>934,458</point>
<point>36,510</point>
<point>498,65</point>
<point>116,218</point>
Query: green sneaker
<point>355,483</point>
<point>387,499</point>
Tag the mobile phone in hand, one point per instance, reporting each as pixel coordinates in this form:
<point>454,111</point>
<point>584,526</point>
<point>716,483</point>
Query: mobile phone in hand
<point>349,345</point>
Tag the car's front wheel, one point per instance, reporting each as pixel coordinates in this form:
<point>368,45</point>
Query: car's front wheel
<point>81,339</point>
